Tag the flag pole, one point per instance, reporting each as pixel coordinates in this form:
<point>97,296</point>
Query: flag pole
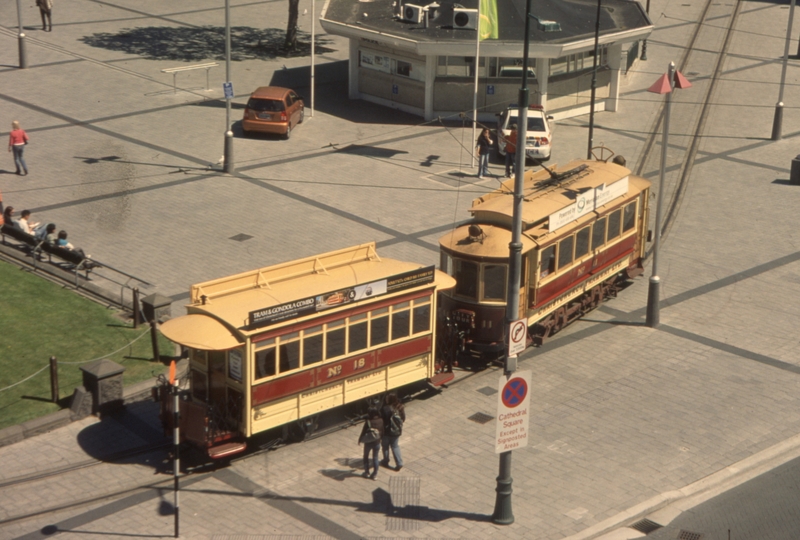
<point>475,90</point>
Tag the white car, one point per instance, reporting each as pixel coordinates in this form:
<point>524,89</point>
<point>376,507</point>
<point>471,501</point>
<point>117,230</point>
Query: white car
<point>539,135</point>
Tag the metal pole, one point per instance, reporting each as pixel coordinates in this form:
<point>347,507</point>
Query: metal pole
<point>228,167</point>
<point>777,121</point>
<point>176,418</point>
<point>313,47</point>
<point>503,512</point>
<point>475,86</point>
<point>594,81</point>
<point>136,311</point>
<point>53,379</point>
<point>23,58</point>
<point>154,340</point>
<point>644,43</point>
<point>654,290</point>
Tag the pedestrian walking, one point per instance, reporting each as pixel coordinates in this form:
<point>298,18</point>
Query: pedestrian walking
<point>16,143</point>
<point>393,414</point>
<point>371,436</point>
<point>511,151</point>
<point>46,11</point>
<point>483,146</point>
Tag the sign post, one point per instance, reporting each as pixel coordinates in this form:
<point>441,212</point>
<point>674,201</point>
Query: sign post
<point>513,412</point>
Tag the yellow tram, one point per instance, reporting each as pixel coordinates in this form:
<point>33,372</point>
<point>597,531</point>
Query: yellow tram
<point>279,344</point>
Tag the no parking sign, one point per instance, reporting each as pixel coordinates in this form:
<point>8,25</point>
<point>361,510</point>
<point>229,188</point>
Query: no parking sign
<point>512,411</point>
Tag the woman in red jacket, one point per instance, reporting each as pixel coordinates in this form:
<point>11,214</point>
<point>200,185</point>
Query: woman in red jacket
<point>16,143</point>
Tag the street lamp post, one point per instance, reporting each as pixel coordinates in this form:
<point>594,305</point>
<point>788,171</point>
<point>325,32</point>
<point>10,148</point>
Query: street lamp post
<point>777,120</point>
<point>503,513</point>
<point>228,155</point>
<point>664,85</point>
<point>644,43</point>
<point>23,58</point>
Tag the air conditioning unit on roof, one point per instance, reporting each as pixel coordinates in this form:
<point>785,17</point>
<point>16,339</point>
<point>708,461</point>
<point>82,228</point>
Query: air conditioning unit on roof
<point>413,13</point>
<point>465,18</point>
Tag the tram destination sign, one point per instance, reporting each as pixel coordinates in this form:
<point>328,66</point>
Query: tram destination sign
<point>316,304</point>
<point>588,202</point>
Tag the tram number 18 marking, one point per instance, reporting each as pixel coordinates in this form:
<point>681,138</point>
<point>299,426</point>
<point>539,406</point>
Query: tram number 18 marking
<point>334,371</point>
<point>359,364</point>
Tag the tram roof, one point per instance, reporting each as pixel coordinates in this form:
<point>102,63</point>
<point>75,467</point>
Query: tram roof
<point>229,301</point>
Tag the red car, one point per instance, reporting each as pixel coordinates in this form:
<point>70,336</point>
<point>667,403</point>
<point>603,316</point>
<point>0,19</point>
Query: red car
<point>272,109</point>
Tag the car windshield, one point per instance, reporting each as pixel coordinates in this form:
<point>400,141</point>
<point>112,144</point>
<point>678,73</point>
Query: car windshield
<point>262,105</point>
<point>535,124</point>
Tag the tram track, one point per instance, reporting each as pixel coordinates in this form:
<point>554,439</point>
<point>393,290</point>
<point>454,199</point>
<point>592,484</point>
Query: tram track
<point>703,38</point>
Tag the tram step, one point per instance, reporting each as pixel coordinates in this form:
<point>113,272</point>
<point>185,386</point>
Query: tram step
<point>226,450</point>
<point>442,378</point>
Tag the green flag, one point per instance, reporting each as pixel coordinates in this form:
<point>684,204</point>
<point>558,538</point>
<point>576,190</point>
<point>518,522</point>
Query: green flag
<point>488,25</point>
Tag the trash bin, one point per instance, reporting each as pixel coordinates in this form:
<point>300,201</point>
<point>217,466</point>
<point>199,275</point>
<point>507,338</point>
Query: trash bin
<point>794,176</point>
<point>156,307</point>
<point>103,379</point>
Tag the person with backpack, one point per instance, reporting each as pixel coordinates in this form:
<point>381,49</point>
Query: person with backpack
<point>371,436</point>
<point>394,415</point>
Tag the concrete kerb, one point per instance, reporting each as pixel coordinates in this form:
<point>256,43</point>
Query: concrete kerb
<point>665,507</point>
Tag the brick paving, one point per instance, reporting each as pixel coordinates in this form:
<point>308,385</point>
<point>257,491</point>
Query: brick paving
<point>621,414</point>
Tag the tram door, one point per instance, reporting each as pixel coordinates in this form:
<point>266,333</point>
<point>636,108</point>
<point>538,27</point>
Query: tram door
<point>216,379</point>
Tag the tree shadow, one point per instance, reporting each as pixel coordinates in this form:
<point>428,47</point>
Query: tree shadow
<point>205,43</point>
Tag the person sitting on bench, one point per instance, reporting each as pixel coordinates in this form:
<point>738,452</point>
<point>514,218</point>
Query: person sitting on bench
<point>25,224</point>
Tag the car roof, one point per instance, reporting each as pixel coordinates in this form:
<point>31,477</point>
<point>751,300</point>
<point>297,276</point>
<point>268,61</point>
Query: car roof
<point>531,112</point>
<point>270,92</point>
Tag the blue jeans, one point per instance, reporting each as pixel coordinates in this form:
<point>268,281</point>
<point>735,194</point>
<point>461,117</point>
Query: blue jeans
<point>18,160</point>
<point>510,163</point>
<point>392,442</point>
<point>483,165</point>
<point>371,447</point>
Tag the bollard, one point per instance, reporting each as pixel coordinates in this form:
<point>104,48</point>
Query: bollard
<point>154,339</point>
<point>794,176</point>
<point>53,379</point>
<point>136,311</point>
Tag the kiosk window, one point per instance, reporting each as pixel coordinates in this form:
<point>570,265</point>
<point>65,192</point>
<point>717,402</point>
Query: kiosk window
<point>565,252</point>
<point>401,320</point>
<point>466,274</point>
<point>582,242</point>
<point>548,260</point>
<point>312,345</point>
<point>613,224</point>
<point>422,316</point>
<point>357,333</point>
<point>334,339</point>
<point>629,217</point>
<point>379,327</point>
<point>599,233</point>
<point>289,356</point>
<point>494,282</point>
<point>265,361</point>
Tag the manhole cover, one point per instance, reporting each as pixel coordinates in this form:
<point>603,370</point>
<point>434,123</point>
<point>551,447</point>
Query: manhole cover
<point>487,390</point>
<point>481,418</point>
<point>646,526</point>
<point>241,237</point>
<point>689,535</point>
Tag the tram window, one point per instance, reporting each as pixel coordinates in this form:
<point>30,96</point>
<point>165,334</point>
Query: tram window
<point>334,339</point>
<point>613,224</point>
<point>494,282</point>
<point>289,355</point>
<point>357,333</point>
<point>565,252</point>
<point>401,320</point>
<point>422,316</point>
<point>629,217</point>
<point>379,327</point>
<point>582,242</point>
<point>199,356</point>
<point>548,260</point>
<point>199,385</point>
<point>265,361</point>
<point>312,345</point>
<point>466,274</point>
<point>599,233</point>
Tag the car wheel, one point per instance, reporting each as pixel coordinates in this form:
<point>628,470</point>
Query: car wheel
<point>288,133</point>
<point>302,115</point>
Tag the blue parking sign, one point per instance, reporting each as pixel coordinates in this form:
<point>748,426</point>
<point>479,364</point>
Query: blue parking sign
<point>490,89</point>
<point>395,89</point>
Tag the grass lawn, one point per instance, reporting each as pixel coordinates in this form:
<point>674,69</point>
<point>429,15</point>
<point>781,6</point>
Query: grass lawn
<point>40,319</point>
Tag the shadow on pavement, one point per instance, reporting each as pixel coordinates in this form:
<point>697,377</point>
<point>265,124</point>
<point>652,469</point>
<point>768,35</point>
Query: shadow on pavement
<point>184,44</point>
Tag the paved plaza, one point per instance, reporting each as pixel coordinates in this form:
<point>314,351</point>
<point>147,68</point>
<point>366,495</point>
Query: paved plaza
<point>627,422</point>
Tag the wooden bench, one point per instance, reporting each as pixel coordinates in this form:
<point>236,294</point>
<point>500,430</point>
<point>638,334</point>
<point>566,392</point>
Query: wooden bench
<point>37,247</point>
